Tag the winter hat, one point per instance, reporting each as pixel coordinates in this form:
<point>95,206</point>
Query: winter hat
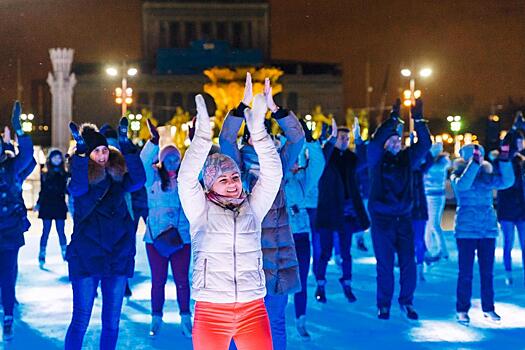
<point>216,165</point>
<point>54,152</point>
<point>92,137</point>
<point>436,149</point>
<point>167,150</point>
<point>467,151</point>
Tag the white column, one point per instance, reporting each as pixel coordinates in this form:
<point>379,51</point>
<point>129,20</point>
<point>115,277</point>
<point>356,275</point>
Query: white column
<point>61,83</point>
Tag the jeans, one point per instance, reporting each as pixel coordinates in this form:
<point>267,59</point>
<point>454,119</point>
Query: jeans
<point>302,247</point>
<point>84,290</point>
<point>276,306</point>
<point>8,272</point>
<point>418,226</point>
<point>59,225</point>
<point>508,241</point>
<point>216,324</point>
<point>434,237</point>
<point>316,240</point>
<point>391,235</point>
<point>359,235</point>
<point>466,251</point>
<point>180,264</point>
<point>327,244</point>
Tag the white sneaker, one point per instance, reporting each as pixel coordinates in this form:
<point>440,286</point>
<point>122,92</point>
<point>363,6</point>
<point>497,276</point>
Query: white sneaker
<point>185,323</point>
<point>300,324</point>
<point>156,323</point>
<point>492,316</point>
<point>463,318</point>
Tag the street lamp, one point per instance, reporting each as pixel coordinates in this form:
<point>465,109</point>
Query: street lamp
<point>455,127</point>
<point>412,94</point>
<point>27,122</point>
<point>123,94</point>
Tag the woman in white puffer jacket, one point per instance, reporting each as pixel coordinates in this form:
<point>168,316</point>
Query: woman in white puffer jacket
<point>225,227</point>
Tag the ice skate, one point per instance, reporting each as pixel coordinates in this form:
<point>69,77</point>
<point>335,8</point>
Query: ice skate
<point>156,323</point>
<point>320,292</point>
<point>409,312</point>
<point>8,328</point>
<point>492,316</point>
<point>383,313</point>
<point>347,289</point>
<point>186,325</point>
<point>300,324</point>
<point>463,318</point>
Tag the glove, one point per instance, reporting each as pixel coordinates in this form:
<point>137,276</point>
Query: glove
<point>417,110</point>
<point>504,152</point>
<point>334,129</point>
<point>81,144</point>
<point>125,144</point>
<point>154,133</point>
<point>7,135</point>
<point>269,97</point>
<point>15,119</point>
<point>256,116</point>
<point>202,124</point>
<point>357,131</point>
<point>476,155</point>
<point>396,108</point>
<point>248,90</point>
<point>307,132</point>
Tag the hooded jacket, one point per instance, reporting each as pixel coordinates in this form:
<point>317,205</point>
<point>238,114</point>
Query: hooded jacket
<point>53,188</point>
<point>103,240</point>
<point>226,244</point>
<point>165,209</point>
<point>473,184</point>
<point>13,214</point>
<point>436,176</point>
<point>279,257</point>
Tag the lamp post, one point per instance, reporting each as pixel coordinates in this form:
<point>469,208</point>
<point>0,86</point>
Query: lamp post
<point>412,94</point>
<point>27,122</point>
<point>135,123</point>
<point>455,127</point>
<point>123,94</point>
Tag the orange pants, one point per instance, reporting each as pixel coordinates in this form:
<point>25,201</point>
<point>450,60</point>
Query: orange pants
<point>216,324</point>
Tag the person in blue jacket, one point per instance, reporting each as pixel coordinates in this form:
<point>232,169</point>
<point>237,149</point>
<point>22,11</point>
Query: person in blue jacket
<point>390,206</point>
<point>13,216</point>
<point>299,182</point>
<point>340,206</point>
<point>473,181</point>
<point>511,201</point>
<point>280,263</point>
<point>102,247</point>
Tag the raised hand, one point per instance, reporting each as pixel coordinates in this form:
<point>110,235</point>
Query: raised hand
<point>417,110</point>
<point>202,123</point>
<point>396,108</point>
<point>125,144</point>
<point>154,133</point>
<point>15,118</point>
<point>334,129</point>
<point>269,97</point>
<point>81,144</point>
<point>256,116</point>
<point>7,135</point>
<point>357,130</point>
<point>248,90</point>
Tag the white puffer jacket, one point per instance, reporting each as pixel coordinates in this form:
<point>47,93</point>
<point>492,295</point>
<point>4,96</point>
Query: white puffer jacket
<point>227,256</point>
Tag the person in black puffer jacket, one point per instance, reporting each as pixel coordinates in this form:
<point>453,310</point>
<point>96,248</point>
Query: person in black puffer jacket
<point>102,247</point>
<point>51,202</point>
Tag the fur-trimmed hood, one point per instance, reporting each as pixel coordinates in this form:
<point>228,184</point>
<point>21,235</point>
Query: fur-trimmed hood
<point>116,167</point>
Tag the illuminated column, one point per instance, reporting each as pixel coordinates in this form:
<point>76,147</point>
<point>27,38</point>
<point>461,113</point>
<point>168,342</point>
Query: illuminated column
<point>61,83</point>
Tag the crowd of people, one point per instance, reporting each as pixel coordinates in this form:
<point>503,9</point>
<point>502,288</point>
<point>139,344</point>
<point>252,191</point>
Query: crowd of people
<point>243,221</point>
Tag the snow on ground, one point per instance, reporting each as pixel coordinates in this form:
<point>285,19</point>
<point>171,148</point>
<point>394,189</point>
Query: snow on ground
<point>46,302</point>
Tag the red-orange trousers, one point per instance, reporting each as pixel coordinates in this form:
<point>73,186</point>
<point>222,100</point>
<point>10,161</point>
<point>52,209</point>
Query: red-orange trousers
<point>215,325</point>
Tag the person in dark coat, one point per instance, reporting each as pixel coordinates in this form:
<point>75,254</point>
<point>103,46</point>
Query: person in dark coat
<point>51,202</point>
<point>102,247</point>
<point>511,201</point>
<point>340,206</point>
<point>390,206</point>
<point>13,216</point>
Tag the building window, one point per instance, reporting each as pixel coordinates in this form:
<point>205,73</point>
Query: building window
<point>190,33</point>
<point>237,35</point>
<point>248,35</point>
<point>163,35</point>
<point>292,101</point>
<point>159,107</point>
<point>143,100</point>
<point>206,31</point>
<point>222,31</point>
<point>176,99</point>
<point>174,34</point>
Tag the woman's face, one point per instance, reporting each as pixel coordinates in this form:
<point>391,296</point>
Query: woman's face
<point>171,162</point>
<point>100,155</point>
<point>56,160</point>
<point>228,185</point>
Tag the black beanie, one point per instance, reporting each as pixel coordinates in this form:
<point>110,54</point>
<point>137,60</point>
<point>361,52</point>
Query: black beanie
<point>92,137</point>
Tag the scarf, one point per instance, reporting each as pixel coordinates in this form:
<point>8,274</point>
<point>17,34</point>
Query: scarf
<point>226,202</point>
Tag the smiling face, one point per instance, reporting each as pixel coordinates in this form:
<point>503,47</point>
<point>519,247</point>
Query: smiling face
<point>56,160</point>
<point>393,144</point>
<point>228,185</point>
<point>100,155</point>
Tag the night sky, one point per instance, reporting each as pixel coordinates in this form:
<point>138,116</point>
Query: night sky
<point>476,48</point>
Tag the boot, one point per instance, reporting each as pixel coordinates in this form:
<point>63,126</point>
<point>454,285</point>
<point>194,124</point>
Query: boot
<point>410,312</point>
<point>320,293</point>
<point>463,318</point>
<point>420,273</point>
<point>156,323</point>
<point>8,328</point>
<point>508,278</point>
<point>127,292</point>
<point>42,257</point>
<point>187,327</point>
<point>63,249</point>
<point>347,289</point>
<point>383,313</point>
<point>492,316</point>
<point>361,245</point>
<point>300,324</point>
